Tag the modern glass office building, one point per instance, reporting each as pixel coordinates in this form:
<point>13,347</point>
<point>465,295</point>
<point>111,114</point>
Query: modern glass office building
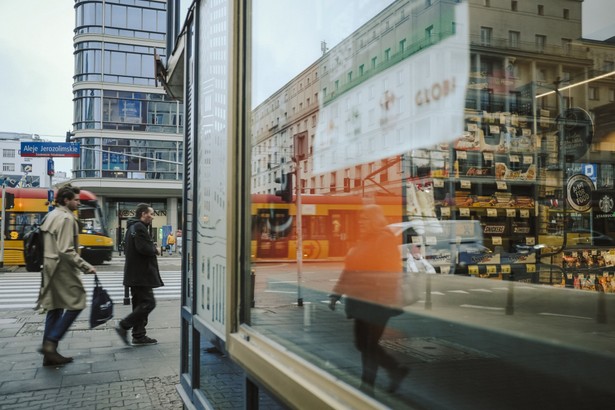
<point>398,204</point>
<point>130,132</point>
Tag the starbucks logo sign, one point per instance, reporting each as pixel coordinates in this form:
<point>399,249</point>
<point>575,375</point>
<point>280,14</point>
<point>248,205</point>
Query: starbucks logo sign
<point>579,192</point>
<point>606,204</point>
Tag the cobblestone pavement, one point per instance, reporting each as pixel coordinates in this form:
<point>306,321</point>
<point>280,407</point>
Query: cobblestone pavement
<point>106,374</point>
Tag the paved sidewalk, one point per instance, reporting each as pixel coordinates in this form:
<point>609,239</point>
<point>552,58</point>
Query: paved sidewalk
<point>106,374</point>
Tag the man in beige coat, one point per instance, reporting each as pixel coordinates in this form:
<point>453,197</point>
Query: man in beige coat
<point>62,293</point>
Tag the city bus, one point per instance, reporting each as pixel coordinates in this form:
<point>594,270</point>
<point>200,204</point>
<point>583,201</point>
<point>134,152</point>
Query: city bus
<point>30,205</point>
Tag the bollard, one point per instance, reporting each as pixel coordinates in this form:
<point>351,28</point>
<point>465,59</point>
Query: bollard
<point>252,283</point>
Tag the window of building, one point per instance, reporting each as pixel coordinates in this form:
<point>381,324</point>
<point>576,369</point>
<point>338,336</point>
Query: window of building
<point>566,45</point>
<point>402,45</point>
<point>513,39</point>
<point>609,66</point>
<point>8,167</point>
<point>485,36</point>
<point>611,94</point>
<point>592,93</point>
<point>541,41</point>
<point>374,60</point>
<point>361,69</point>
<point>513,5</point>
<point>566,14</point>
<point>428,33</point>
<point>487,3</point>
<point>541,10</point>
<point>387,54</point>
<point>8,153</point>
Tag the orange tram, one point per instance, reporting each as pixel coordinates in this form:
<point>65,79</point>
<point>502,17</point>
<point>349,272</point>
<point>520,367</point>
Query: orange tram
<point>329,224</point>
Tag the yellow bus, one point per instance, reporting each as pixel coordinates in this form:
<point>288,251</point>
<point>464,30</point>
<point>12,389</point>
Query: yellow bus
<point>26,207</point>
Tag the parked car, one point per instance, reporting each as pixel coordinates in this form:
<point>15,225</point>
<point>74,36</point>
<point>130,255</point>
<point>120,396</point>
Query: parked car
<point>582,236</point>
<point>446,247</point>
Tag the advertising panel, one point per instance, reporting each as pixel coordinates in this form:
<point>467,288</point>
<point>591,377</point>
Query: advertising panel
<point>421,98</point>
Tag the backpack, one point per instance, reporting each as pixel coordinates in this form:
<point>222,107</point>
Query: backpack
<point>33,249</point>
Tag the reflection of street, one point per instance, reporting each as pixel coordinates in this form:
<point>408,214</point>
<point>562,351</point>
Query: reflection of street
<point>518,335</point>
<point>276,283</point>
<point>456,297</point>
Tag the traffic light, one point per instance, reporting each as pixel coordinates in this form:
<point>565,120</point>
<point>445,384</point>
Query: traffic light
<point>9,200</point>
<point>286,191</point>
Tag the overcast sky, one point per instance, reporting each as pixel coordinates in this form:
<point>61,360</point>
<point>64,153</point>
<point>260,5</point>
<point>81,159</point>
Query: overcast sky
<point>36,53</point>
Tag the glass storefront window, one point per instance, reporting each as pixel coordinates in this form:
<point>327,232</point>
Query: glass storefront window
<point>432,209</point>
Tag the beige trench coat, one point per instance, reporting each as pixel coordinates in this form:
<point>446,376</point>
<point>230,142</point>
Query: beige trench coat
<point>62,287</point>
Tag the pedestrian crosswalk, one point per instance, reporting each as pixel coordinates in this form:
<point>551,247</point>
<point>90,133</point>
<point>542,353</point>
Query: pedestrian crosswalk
<point>19,290</point>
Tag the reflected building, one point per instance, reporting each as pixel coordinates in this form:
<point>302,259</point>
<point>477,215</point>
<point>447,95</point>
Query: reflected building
<point>130,132</point>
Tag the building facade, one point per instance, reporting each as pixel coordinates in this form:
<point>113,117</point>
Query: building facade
<point>130,132</point>
<point>478,132</point>
<point>21,171</point>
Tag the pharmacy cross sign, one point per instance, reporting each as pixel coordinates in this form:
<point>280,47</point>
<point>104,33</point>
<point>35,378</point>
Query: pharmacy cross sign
<point>50,149</point>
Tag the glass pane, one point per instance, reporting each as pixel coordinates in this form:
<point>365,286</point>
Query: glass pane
<point>432,208</point>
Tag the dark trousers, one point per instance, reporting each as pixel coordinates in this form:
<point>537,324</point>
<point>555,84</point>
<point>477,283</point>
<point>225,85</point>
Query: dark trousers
<point>366,336</point>
<point>57,323</point>
<point>143,302</point>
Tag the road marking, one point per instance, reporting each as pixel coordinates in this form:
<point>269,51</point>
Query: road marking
<point>279,291</point>
<point>482,307</point>
<point>569,316</point>
<point>458,291</point>
<point>482,290</point>
<point>437,293</point>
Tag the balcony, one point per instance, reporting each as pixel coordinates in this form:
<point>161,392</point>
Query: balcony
<point>503,44</point>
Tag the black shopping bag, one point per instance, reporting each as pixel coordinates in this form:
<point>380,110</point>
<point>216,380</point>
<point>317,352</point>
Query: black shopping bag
<point>102,305</point>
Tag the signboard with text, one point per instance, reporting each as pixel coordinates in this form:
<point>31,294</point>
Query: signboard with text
<point>50,149</point>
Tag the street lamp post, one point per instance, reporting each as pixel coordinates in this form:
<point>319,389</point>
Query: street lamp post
<point>299,234</point>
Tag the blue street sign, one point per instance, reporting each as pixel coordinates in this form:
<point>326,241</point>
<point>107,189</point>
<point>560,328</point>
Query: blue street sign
<point>50,167</point>
<point>50,149</point>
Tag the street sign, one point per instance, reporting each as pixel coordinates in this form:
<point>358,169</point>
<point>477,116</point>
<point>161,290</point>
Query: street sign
<point>50,149</point>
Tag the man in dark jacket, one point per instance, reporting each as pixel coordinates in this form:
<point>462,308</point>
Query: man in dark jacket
<point>141,274</point>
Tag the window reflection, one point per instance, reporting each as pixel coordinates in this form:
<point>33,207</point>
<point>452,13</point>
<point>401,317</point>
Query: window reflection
<point>493,175</point>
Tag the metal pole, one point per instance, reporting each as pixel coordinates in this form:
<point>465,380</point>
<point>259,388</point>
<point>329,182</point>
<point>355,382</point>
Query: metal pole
<point>2,225</point>
<point>299,233</point>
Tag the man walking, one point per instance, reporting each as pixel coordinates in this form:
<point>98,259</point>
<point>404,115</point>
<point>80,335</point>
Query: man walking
<point>62,293</point>
<point>141,274</point>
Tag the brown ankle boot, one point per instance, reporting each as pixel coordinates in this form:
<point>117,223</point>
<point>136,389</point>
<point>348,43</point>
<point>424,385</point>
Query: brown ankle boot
<point>51,356</point>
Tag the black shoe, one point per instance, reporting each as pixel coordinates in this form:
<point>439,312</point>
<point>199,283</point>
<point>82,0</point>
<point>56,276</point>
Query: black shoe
<point>122,333</point>
<point>144,341</point>
<point>397,375</point>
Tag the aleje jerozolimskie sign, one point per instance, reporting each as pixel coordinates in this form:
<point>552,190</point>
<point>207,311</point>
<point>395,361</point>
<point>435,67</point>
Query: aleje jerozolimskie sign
<point>50,149</point>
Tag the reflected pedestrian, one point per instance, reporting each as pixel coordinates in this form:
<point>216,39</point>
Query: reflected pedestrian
<point>62,293</point>
<point>371,283</point>
<point>141,274</point>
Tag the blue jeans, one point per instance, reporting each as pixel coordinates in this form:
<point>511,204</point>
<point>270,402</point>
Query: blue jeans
<point>57,323</point>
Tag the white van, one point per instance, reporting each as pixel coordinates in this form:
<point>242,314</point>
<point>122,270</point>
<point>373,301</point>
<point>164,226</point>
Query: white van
<point>441,244</point>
